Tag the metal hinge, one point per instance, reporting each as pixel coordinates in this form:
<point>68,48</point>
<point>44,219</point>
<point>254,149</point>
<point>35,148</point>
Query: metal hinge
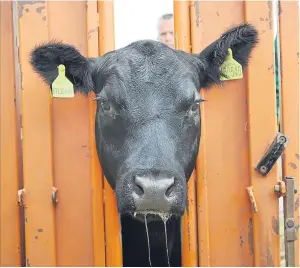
<point>273,153</point>
<point>54,196</point>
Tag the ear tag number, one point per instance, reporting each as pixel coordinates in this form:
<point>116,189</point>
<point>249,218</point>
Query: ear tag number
<point>61,86</point>
<point>231,69</point>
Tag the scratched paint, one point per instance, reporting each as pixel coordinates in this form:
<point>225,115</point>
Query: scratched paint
<point>26,5</point>
<point>197,12</point>
<point>250,236</point>
<point>270,19</point>
<point>297,204</point>
<point>275,225</point>
<point>292,165</point>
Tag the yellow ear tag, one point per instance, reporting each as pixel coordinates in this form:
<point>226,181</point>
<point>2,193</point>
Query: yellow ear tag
<point>61,86</point>
<point>231,68</point>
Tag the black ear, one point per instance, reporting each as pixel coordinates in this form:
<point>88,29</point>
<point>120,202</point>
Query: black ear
<point>240,39</point>
<point>45,59</point>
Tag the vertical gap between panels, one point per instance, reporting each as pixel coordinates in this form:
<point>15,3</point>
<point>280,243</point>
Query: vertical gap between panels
<point>19,125</point>
<point>277,77</point>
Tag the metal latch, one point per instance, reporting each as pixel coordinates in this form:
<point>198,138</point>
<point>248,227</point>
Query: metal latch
<point>291,229</point>
<point>252,199</point>
<point>54,196</point>
<point>21,197</point>
<point>280,189</point>
<point>273,153</point>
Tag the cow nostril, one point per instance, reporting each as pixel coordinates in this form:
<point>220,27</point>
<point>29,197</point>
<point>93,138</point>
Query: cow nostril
<point>170,190</point>
<point>138,189</point>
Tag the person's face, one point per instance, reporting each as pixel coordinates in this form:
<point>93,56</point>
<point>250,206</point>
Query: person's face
<point>166,32</point>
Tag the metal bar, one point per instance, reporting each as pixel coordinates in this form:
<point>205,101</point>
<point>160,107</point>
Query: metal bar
<point>18,87</point>
<point>189,228</point>
<point>224,210</point>
<point>112,224</point>
<point>201,185</point>
<point>290,226</point>
<point>262,130</point>
<point>67,21</point>
<point>37,142</point>
<point>10,242</point>
<point>96,170</point>
<point>289,62</point>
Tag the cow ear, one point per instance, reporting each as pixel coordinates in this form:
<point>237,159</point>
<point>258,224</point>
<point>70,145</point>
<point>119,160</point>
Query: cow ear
<point>46,58</point>
<point>240,39</point>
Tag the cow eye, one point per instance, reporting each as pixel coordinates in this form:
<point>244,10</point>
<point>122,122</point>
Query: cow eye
<point>195,106</point>
<point>105,106</point>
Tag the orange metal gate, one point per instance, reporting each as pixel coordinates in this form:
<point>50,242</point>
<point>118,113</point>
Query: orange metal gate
<point>52,164</point>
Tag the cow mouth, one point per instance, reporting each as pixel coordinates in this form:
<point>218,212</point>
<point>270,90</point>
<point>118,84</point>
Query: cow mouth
<point>150,216</point>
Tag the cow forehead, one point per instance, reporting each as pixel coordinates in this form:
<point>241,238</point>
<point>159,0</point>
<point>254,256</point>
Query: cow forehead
<point>147,67</point>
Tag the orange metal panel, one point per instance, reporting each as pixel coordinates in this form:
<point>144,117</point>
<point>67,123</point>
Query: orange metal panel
<point>37,141</point>
<point>224,215</point>
<point>189,227</point>
<point>262,125</point>
<point>112,224</point>
<point>9,184</point>
<point>72,148</point>
<point>201,191</point>
<point>97,175</point>
<point>182,34</point>
<point>289,40</point>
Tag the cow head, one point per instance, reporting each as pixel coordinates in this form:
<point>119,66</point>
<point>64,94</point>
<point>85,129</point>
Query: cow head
<point>148,121</point>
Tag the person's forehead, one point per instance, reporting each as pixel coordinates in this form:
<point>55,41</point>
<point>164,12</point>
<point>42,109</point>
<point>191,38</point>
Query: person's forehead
<point>166,24</point>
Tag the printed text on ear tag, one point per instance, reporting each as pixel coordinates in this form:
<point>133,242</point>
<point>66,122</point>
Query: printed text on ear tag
<point>231,69</point>
<point>61,86</point>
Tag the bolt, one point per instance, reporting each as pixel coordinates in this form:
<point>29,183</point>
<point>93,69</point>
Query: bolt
<point>290,223</point>
<point>282,139</point>
<point>295,191</point>
<point>263,169</point>
<point>277,188</point>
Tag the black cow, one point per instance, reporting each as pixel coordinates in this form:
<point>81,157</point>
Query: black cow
<point>147,127</point>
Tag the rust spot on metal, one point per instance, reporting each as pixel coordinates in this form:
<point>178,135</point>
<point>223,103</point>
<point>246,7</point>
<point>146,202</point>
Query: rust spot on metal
<point>92,31</point>
<point>275,225</point>
<point>261,19</point>
<point>241,241</point>
<point>44,18</point>
<point>279,9</point>
<point>250,236</point>
<point>297,204</point>
<point>292,165</point>
<point>270,7</point>
<point>297,155</point>
<point>271,67</point>
<point>269,257</point>
<point>40,230</point>
<point>187,207</point>
<point>23,5</point>
<point>218,14</point>
<point>197,12</point>
<point>36,237</point>
<point>40,9</point>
